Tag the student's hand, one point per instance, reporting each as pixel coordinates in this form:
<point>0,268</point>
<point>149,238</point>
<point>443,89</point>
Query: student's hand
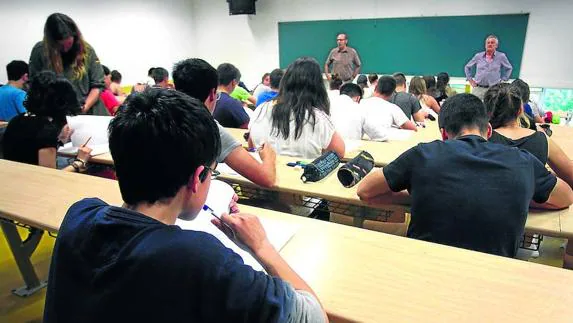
<point>248,230</point>
<point>84,153</point>
<point>328,77</point>
<point>233,206</point>
<point>65,134</point>
<point>267,152</point>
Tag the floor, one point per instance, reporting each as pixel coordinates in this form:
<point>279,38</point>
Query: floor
<point>14,309</point>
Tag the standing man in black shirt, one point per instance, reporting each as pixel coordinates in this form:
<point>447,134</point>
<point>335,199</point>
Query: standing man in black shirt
<point>465,191</point>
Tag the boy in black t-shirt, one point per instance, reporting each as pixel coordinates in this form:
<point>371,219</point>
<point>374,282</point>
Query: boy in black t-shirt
<point>465,191</point>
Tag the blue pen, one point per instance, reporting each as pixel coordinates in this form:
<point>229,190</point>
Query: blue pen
<point>225,225</point>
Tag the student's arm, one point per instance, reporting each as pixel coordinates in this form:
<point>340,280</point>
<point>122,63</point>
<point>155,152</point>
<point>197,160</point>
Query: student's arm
<point>550,192</point>
<point>561,197</point>
<point>47,158</point>
<point>409,125</point>
<point>336,144</point>
<point>250,231</point>
<point>432,103</point>
<point>387,185</point>
<point>419,116</point>
<point>96,81</point>
<point>508,68</point>
<point>261,174</point>
<point>400,119</point>
<point>252,99</point>
<point>560,162</point>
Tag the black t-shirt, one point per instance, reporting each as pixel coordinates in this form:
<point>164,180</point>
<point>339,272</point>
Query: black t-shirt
<point>407,102</point>
<point>26,135</point>
<point>470,193</point>
<point>535,143</point>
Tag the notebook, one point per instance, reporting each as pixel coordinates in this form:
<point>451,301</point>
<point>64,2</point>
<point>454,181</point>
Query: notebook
<point>218,198</point>
<point>85,127</point>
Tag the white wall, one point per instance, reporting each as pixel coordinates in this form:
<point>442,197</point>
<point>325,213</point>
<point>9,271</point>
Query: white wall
<point>128,35</point>
<point>251,42</point>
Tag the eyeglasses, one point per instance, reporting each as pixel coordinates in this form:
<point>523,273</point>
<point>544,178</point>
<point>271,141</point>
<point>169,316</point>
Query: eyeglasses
<point>205,171</point>
<point>340,39</point>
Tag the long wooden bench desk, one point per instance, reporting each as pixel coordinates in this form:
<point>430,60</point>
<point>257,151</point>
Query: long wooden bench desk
<point>345,200</point>
<point>383,152</point>
<point>359,275</point>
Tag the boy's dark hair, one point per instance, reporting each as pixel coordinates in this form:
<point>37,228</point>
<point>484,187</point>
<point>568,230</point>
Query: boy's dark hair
<point>372,78</point>
<point>150,71</point>
<point>16,69</point>
<point>276,77</point>
<point>195,77</point>
<point>115,76</point>
<point>463,111</point>
<point>157,141</point>
<point>227,73</point>
<point>400,79</point>
<point>159,74</point>
<point>523,89</point>
<point>106,70</point>
<point>335,82</point>
<point>502,103</point>
<point>386,85</point>
<point>362,80</point>
<point>52,96</point>
<point>352,90</point>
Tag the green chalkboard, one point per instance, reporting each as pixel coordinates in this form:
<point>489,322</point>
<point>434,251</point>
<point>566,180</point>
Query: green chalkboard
<point>414,46</point>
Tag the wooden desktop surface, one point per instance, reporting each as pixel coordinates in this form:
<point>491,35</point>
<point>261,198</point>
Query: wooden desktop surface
<point>383,152</point>
<point>288,181</point>
<point>359,275</point>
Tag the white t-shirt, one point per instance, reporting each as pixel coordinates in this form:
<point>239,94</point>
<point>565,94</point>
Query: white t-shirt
<point>347,117</point>
<point>381,114</point>
<point>368,92</point>
<point>310,143</point>
<point>333,94</point>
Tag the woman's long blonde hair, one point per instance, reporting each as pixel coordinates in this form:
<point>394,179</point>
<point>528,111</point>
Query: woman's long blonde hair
<point>59,26</point>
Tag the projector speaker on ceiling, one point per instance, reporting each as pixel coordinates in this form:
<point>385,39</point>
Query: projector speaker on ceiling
<point>242,7</point>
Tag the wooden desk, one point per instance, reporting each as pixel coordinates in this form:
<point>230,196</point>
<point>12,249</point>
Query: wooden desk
<point>563,136</point>
<point>383,152</point>
<point>329,188</point>
<point>359,275</point>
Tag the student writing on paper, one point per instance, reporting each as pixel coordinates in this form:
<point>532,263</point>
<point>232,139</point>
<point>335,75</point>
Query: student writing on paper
<point>197,78</point>
<point>132,264</point>
<point>34,136</point>
<point>465,191</point>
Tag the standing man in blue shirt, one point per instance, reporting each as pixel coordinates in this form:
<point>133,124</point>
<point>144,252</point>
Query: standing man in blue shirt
<point>12,94</point>
<point>492,67</point>
<point>132,264</point>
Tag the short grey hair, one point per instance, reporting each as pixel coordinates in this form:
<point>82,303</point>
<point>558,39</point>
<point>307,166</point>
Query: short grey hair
<point>492,36</point>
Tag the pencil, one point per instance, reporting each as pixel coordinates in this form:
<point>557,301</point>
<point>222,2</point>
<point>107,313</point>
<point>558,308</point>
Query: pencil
<point>90,138</point>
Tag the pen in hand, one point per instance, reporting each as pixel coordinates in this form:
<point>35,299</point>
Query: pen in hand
<point>230,232</point>
<point>87,141</point>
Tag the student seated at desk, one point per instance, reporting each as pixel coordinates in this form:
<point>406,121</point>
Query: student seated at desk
<point>229,111</point>
<point>297,123</point>
<point>241,94</point>
<point>382,112</point>
<point>531,115</point>
<point>419,90</point>
<point>264,86</point>
<point>197,78</point>
<point>503,103</point>
<point>132,264</point>
<point>348,119</point>
<point>334,86</point>
<point>108,98</point>
<point>276,77</point>
<point>33,137</point>
<point>12,95</point>
<point>409,104</point>
<point>465,191</point>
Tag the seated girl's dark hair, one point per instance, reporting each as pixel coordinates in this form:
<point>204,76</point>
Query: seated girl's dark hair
<point>52,96</point>
<point>502,103</point>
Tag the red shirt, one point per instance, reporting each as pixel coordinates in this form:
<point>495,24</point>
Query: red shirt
<point>109,100</point>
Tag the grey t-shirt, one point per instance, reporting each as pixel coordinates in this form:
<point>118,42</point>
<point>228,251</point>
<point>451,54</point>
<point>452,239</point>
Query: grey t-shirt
<point>407,102</point>
<point>228,143</point>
